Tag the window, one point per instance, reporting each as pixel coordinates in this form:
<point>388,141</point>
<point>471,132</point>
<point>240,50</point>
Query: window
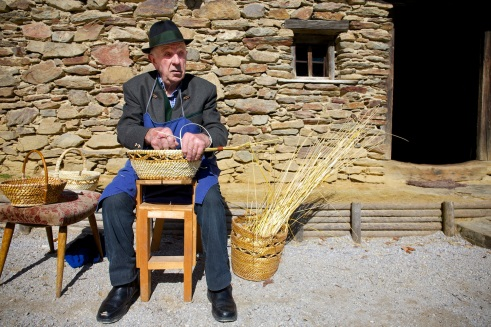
<point>312,60</point>
<point>314,47</point>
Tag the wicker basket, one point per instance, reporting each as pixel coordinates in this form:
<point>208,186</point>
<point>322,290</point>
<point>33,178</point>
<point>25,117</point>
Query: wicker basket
<point>253,257</point>
<point>162,164</point>
<point>28,192</point>
<point>84,180</point>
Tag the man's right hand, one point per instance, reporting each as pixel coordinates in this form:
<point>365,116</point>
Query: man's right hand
<point>161,138</point>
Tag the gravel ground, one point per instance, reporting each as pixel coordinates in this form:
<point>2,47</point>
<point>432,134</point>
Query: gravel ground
<point>411,281</point>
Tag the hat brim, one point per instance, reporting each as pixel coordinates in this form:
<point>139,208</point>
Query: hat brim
<point>147,48</point>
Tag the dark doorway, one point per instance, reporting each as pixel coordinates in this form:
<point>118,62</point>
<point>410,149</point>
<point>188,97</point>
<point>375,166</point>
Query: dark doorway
<point>437,59</point>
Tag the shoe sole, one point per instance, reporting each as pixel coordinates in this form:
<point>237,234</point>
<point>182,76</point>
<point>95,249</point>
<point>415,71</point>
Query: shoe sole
<point>221,319</point>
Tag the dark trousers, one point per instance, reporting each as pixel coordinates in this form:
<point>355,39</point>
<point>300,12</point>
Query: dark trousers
<point>118,217</point>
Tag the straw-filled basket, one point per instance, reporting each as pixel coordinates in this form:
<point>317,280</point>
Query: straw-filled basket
<point>82,180</point>
<point>28,192</point>
<point>254,257</point>
<point>259,240</point>
<point>162,164</point>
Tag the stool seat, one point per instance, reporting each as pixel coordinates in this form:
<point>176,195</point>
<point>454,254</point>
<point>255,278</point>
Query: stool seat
<point>72,208</point>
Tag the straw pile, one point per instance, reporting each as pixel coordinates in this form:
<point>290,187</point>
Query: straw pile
<point>321,158</point>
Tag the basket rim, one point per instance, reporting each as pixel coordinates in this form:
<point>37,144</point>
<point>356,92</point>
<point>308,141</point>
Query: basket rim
<point>51,187</point>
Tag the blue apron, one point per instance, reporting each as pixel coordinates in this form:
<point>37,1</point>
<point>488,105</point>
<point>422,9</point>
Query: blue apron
<point>207,175</point>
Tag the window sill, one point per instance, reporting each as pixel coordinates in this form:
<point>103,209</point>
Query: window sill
<point>318,80</point>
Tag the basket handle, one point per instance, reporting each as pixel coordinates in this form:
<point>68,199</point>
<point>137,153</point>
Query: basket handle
<point>60,159</point>
<point>204,129</point>
<point>45,170</point>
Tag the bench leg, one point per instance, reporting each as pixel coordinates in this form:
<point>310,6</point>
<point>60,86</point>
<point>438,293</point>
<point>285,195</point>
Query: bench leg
<point>49,235</point>
<point>62,234</point>
<point>95,233</point>
<point>7,238</point>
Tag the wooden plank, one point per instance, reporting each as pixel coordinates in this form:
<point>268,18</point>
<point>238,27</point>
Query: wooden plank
<point>484,103</point>
<point>328,226</point>
<point>390,97</point>
<point>333,206</point>
<point>324,219</point>
<point>184,181</point>
<point>448,218</point>
<point>328,27</point>
<point>395,220</point>
<point>401,213</point>
<point>166,262</point>
<point>395,233</point>
<point>401,226</point>
<point>356,222</point>
<point>324,233</point>
<point>472,205</point>
<point>332,213</point>
<point>401,206</point>
<point>472,213</point>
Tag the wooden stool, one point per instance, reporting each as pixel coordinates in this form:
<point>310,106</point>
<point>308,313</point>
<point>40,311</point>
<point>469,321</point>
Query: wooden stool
<point>159,211</point>
<point>72,208</point>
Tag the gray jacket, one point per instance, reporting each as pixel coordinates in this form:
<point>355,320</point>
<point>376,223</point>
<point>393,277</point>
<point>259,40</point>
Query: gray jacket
<point>198,100</point>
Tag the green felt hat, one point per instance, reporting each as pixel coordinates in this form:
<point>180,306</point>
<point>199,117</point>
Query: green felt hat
<point>164,32</point>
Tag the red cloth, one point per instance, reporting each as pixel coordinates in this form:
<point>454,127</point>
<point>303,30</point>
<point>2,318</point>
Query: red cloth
<point>72,208</point>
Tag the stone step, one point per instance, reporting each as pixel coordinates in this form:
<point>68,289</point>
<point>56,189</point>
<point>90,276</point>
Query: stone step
<point>477,231</point>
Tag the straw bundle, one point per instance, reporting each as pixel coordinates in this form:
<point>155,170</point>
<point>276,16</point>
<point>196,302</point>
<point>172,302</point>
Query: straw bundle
<point>258,238</point>
<point>316,162</point>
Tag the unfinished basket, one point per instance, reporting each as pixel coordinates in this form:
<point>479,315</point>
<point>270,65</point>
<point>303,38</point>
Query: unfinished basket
<point>84,180</point>
<point>28,192</point>
<point>254,257</point>
<point>162,164</point>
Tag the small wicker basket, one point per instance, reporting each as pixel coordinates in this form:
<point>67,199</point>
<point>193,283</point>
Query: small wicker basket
<point>254,257</point>
<point>84,180</point>
<point>162,164</point>
<point>28,192</point>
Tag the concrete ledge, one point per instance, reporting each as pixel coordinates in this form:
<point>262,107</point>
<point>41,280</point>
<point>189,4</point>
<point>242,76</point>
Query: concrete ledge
<point>476,231</point>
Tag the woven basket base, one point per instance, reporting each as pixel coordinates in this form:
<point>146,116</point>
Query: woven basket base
<point>162,164</point>
<point>31,192</point>
<point>77,181</point>
<point>255,258</point>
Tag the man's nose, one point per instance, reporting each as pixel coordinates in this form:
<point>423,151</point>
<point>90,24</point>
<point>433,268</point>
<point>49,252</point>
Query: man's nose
<point>175,58</point>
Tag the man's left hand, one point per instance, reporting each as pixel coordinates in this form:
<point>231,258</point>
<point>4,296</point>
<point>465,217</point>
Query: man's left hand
<point>193,145</point>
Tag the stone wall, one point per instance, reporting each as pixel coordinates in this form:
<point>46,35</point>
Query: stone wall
<point>64,63</point>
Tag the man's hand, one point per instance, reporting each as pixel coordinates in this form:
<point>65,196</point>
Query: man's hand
<point>161,138</point>
<point>193,145</point>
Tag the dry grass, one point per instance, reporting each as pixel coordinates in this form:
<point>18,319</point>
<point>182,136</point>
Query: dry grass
<point>318,158</point>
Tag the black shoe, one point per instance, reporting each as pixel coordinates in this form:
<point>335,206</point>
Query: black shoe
<point>118,302</point>
<point>223,306</point>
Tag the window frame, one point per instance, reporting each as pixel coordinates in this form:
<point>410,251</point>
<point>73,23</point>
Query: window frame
<point>328,59</point>
<point>313,32</point>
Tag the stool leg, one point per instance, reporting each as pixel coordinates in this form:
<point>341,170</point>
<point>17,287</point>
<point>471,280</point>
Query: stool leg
<point>95,233</point>
<point>49,235</point>
<point>157,234</point>
<point>62,233</point>
<point>143,252</point>
<point>188,256</point>
<point>8,231</point>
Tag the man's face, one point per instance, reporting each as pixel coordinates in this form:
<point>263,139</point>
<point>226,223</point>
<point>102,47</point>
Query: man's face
<point>170,61</point>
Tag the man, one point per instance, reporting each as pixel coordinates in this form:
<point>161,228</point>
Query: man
<point>167,109</point>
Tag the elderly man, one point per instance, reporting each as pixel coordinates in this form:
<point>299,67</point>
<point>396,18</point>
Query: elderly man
<point>160,105</point>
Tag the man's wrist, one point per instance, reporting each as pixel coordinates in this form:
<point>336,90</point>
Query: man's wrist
<point>209,139</point>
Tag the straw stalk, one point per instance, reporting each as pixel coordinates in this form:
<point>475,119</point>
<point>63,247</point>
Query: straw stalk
<point>317,161</point>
